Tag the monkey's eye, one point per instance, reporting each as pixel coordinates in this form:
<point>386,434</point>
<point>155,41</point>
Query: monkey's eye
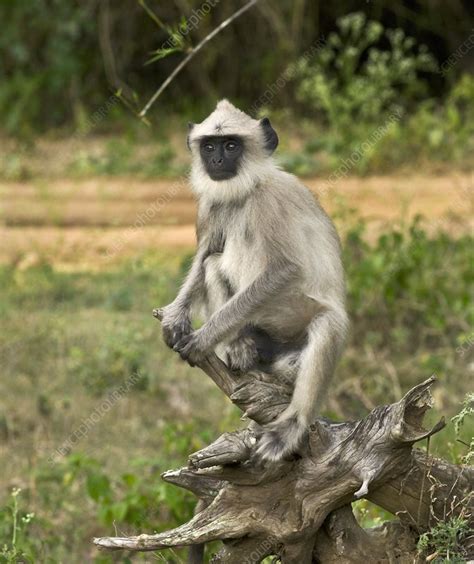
<point>231,146</point>
<point>208,147</point>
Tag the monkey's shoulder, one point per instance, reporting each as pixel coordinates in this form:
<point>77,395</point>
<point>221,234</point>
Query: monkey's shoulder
<point>284,195</point>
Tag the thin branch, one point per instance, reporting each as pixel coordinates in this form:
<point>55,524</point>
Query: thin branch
<point>152,15</point>
<point>193,53</point>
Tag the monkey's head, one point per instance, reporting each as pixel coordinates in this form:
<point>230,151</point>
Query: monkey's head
<point>231,152</point>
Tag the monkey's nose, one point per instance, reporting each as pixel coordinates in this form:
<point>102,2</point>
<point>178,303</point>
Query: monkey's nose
<point>218,162</point>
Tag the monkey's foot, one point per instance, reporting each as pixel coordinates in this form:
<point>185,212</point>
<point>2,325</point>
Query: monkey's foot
<point>281,438</point>
<point>242,354</point>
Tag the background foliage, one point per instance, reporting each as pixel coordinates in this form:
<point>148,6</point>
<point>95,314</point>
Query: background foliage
<point>60,59</point>
<point>332,78</point>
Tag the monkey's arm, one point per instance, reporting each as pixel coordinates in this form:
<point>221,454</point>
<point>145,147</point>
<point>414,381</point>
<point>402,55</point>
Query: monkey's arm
<point>236,312</point>
<point>176,321</point>
<point>193,283</point>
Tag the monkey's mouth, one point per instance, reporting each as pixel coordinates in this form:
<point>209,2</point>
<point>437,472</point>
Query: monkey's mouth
<point>221,174</point>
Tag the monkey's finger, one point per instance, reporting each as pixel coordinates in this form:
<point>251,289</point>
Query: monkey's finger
<point>185,356</point>
<point>182,343</point>
<point>182,349</point>
<point>181,353</point>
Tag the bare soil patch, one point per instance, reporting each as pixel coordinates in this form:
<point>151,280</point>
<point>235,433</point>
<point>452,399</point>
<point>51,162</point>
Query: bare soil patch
<point>95,222</point>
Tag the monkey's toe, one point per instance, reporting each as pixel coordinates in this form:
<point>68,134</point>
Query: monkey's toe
<point>271,447</point>
<point>281,439</point>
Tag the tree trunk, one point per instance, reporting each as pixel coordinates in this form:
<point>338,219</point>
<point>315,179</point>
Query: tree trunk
<point>299,510</point>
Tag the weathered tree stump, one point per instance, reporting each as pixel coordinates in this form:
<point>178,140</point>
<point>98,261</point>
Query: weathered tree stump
<point>299,510</point>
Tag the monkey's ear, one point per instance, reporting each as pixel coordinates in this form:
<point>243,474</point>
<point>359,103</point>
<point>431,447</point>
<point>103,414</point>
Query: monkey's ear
<point>269,134</point>
<point>190,128</point>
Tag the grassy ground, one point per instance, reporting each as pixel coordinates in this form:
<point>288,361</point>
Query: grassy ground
<point>93,407</point>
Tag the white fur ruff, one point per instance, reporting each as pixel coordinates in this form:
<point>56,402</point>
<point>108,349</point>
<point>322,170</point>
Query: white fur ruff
<point>251,174</point>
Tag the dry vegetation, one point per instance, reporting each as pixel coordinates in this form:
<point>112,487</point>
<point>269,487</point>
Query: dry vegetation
<point>95,222</point>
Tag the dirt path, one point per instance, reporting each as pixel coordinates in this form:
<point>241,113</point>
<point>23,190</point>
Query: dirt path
<point>95,222</point>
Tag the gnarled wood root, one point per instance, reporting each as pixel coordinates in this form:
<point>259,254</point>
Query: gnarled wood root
<point>299,509</point>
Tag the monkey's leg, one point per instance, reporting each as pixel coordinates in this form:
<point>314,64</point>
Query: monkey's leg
<point>326,337</point>
<point>235,313</point>
<point>251,348</point>
<point>241,352</point>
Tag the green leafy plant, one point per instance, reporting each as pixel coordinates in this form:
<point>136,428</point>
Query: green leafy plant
<point>443,132</point>
<point>119,356</point>
<point>12,518</point>
<point>138,498</point>
<point>459,420</point>
<point>444,540</point>
<point>302,164</point>
<point>399,269</point>
<point>355,85</point>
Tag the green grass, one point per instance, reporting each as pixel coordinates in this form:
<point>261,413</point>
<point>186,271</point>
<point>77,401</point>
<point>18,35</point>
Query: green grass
<point>124,157</point>
<point>68,340</point>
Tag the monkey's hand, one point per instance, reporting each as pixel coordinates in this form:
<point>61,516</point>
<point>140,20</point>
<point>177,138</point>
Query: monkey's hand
<point>175,324</point>
<point>242,354</point>
<point>191,348</point>
<point>282,437</point>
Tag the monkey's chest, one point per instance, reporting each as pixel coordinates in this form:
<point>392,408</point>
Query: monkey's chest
<point>240,262</point>
<point>234,266</point>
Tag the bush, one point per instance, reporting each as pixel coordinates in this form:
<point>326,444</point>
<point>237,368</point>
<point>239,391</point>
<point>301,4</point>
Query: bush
<point>45,50</point>
<point>355,85</point>
<point>391,284</point>
<point>446,540</point>
<point>434,132</point>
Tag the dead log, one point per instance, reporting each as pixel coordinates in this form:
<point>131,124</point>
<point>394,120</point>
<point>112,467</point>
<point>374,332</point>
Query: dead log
<point>299,509</point>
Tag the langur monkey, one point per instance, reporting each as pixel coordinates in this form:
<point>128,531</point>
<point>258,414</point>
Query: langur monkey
<point>267,275</point>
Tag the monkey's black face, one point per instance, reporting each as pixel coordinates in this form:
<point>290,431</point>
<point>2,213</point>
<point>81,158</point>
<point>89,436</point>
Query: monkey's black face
<point>221,156</point>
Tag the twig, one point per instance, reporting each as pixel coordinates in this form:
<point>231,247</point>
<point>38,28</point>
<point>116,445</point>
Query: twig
<point>152,15</point>
<point>193,53</point>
